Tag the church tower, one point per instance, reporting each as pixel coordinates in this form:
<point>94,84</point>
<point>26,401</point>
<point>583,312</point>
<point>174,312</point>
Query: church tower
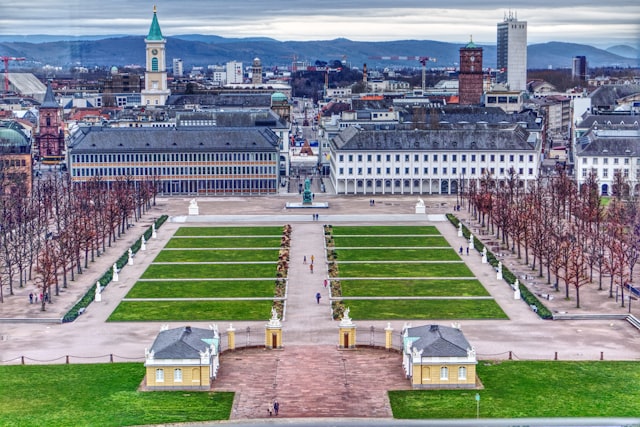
<point>470,76</point>
<point>155,92</point>
<point>50,137</point>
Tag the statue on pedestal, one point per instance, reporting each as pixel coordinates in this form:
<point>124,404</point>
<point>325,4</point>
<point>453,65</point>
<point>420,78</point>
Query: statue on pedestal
<point>307,196</point>
<point>130,262</point>
<point>115,273</point>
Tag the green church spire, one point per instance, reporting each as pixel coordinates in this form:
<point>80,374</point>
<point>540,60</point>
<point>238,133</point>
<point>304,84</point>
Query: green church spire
<point>154,31</point>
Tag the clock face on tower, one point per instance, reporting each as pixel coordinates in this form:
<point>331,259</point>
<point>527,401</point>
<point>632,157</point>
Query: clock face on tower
<point>154,51</point>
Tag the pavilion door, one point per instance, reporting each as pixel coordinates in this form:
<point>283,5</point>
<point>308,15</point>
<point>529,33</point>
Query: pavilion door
<point>274,340</point>
<point>346,340</point>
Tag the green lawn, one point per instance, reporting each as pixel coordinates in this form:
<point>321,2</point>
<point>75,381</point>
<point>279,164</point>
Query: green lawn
<point>387,254</point>
<point>458,269</point>
<point>191,311</point>
<point>229,231</point>
<point>214,255</point>
<point>223,242</point>
<point>206,271</point>
<point>390,241</point>
<point>385,229</point>
<point>424,309</point>
<point>515,389</point>
<point>404,287</point>
<point>203,289</point>
<point>98,395</point>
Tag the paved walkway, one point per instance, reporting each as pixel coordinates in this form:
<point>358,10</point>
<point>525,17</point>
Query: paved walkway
<point>308,376</point>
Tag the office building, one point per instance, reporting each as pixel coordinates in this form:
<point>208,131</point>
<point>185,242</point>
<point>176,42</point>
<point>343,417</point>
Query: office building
<point>579,68</point>
<point>512,53</point>
<point>178,67</point>
<point>235,74</point>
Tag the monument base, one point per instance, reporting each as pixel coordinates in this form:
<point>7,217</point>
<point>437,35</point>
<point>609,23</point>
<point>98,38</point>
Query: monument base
<point>297,205</point>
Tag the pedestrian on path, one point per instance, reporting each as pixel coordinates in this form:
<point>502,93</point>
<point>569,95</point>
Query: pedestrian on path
<point>467,251</point>
<point>460,251</point>
<point>304,259</point>
<point>318,296</point>
<point>325,282</point>
<point>269,409</point>
<point>312,259</point>
<point>311,268</point>
<point>276,407</point>
<point>31,298</point>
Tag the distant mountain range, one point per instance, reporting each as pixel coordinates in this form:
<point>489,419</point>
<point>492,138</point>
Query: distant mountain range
<point>202,50</point>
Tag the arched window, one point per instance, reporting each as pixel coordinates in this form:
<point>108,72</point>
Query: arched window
<point>462,373</point>
<point>159,375</point>
<point>154,64</point>
<point>444,373</point>
<point>177,375</point>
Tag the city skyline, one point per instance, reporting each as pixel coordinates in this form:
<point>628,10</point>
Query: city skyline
<point>589,22</point>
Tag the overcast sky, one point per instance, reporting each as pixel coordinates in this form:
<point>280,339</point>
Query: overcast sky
<point>598,22</point>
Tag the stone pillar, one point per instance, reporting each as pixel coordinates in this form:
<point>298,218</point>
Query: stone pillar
<point>388,331</point>
<point>347,332</point>
<point>231,337</point>
<point>273,332</point>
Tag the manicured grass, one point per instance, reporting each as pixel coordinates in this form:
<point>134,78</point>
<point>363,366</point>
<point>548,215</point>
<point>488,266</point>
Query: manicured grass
<point>423,288</point>
<point>224,242</point>
<point>229,231</point>
<point>533,389</point>
<point>98,395</point>
<point>203,289</point>
<point>458,269</point>
<point>385,229</point>
<point>228,255</point>
<point>205,271</point>
<point>390,241</point>
<point>191,310</point>
<point>424,309</point>
<point>387,254</point>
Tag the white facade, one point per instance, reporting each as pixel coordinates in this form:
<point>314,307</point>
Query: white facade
<point>512,52</point>
<point>425,167</point>
<point>235,74</point>
<point>178,67</point>
<point>606,150</point>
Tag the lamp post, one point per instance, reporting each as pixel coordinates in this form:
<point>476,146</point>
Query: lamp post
<point>477,405</point>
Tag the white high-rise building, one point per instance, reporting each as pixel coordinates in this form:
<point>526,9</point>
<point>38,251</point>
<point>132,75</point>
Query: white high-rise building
<point>235,74</point>
<point>178,67</point>
<point>512,52</point>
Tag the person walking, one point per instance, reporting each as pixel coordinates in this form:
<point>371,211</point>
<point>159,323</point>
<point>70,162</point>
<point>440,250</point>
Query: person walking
<point>269,409</point>
<point>276,407</point>
<point>312,259</point>
<point>460,251</point>
<point>31,298</point>
<point>311,268</point>
<point>318,296</point>
<point>304,259</point>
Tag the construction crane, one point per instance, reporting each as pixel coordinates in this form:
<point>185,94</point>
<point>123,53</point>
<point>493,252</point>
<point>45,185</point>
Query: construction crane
<point>6,60</point>
<point>421,59</point>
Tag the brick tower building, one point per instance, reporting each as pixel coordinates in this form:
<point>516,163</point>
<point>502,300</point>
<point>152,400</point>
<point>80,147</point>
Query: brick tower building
<point>470,77</point>
<point>50,137</point>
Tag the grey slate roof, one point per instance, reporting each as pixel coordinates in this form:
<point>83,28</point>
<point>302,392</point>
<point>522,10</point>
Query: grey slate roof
<point>609,141</point>
<point>49,99</point>
<point>448,136</point>
<point>181,343</point>
<point>193,139</point>
<point>236,118</point>
<point>439,341</point>
<point>602,119</point>
<point>606,96</point>
<point>254,100</point>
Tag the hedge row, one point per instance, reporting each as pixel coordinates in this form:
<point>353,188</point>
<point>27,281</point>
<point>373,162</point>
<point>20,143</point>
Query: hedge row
<point>89,296</point>
<point>507,275</point>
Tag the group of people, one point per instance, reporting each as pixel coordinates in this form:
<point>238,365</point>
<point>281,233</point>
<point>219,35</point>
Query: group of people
<point>372,202</point>
<point>460,251</point>
<point>313,258</point>
<point>34,297</point>
<point>273,409</point>
<point>315,216</point>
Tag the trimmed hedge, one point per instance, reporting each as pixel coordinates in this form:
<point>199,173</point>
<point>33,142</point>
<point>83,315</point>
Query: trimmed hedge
<point>526,295</point>
<point>89,296</point>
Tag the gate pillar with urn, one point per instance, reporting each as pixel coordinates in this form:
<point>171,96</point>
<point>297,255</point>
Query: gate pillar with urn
<point>347,334</point>
<point>273,332</point>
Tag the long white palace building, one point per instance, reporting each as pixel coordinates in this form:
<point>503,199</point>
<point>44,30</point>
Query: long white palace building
<point>436,160</point>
